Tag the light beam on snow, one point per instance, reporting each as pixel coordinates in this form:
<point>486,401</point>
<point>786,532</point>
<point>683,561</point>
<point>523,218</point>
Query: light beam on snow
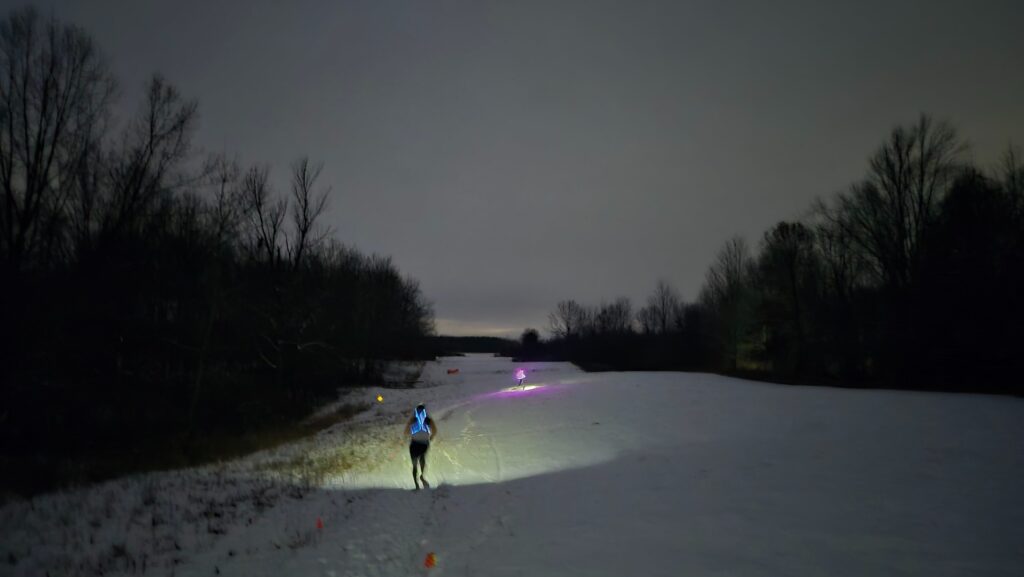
<point>518,389</point>
<point>488,431</point>
<point>501,433</point>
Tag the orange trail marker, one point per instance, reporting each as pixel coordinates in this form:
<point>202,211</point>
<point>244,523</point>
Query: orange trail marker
<point>319,523</point>
<point>430,561</point>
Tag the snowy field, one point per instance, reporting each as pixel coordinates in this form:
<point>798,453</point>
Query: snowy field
<point>587,474</point>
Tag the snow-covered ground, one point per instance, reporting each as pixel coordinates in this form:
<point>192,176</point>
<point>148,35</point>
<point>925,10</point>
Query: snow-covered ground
<point>586,474</point>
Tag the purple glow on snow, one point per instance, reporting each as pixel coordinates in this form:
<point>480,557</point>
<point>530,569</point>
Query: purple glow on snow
<point>515,391</point>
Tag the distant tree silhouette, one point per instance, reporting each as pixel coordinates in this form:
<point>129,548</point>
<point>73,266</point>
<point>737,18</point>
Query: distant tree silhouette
<point>530,337</point>
<point>568,320</point>
<point>307,207</point>
<point>727,295</point>
<point>529,342</point>
<point>966,277</point>
<point>615,318</point>
<point>663,311</point>
<point>909,279</point>
<point>788,278</point>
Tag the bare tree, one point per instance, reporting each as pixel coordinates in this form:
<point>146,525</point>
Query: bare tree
<point>727,277</point>
<point>787,283</point>
<point>615,318</point>
<point>888,214</point>
<point>568,319</point>
<point>417,313</point>
<point>154,145</point>
<point>92,183</point>
<point>225,213</point>
<point>55,91</point>
<point>1011,175</point>
<point>307,207</point>
<point>664,305</point>
<point>726,292</point>
<point>787,266</point>
<point>264,215</point>
<point>646,318</point>
<point>843,264</point>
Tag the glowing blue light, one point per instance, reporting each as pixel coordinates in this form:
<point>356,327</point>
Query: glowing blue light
<point>421,422</point>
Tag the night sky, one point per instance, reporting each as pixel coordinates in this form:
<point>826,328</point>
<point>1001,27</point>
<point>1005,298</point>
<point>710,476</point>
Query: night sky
<point>513,154</point>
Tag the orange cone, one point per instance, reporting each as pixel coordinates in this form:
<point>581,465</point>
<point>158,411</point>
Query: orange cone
<point>430,561</point>
<point>319,523</point>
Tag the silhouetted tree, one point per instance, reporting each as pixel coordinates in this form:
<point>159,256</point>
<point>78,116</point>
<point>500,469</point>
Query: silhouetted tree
<point>264,216</point>
<point>615,318</point>
<point>307,207</point>
<point>153,147</point>
<point>568,320</point>
<point>662,312</point>
<point>226,206</point>
<point>530,338</point>
<point>55,92</point>
<point>726,294</point>
<point>889,213</point>
<point>787,281</point>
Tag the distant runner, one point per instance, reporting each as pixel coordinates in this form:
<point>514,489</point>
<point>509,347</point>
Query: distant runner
<point>422,429</point>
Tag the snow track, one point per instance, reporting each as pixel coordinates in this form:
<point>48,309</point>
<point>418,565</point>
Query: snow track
<point>589,474</point>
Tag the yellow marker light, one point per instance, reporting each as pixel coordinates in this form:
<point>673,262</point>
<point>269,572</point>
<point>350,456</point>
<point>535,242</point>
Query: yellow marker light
<point>380,398</point>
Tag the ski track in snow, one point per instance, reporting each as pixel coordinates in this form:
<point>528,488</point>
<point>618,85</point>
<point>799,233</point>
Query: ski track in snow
<point>590,474</point>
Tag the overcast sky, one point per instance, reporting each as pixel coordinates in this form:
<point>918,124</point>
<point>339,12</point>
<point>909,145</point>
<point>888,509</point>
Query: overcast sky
<point>512,154</point>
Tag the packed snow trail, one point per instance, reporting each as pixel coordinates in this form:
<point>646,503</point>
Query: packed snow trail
<point>637,474</point>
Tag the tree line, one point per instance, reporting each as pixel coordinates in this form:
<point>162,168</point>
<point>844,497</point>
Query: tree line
<point>149,290</point>
<point>912,277</point>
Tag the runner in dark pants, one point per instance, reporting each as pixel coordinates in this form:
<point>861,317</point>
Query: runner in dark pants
<point>422,429</point>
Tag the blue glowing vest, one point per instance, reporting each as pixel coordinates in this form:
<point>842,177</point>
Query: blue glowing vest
<point>420,429</point>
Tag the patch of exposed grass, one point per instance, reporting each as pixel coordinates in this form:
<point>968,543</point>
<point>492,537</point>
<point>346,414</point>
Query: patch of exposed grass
<point>313,468</point>
<point>222,447</point>
<point>34,475</point>
<point>405,377</point>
